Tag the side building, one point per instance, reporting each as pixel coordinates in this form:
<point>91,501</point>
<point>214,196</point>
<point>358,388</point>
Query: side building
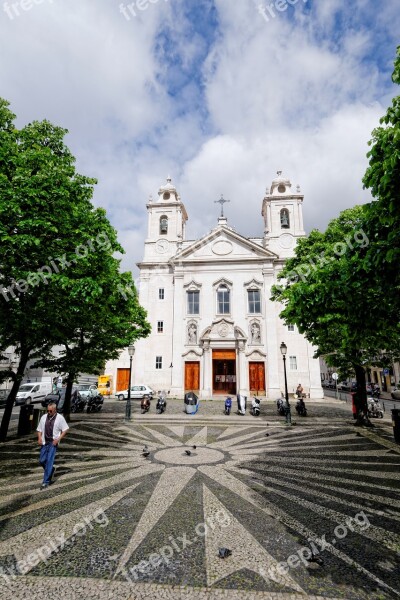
<point>215,330</point>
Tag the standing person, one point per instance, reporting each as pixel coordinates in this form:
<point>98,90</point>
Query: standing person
<point>51,429</point>
<point>299,391</point>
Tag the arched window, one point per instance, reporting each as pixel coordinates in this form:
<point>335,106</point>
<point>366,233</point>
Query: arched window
<point>223,300</point>
<point>163,225</point>
<point>285,221</point>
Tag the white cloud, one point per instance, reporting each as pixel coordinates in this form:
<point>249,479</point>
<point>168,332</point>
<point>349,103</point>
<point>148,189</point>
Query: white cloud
<point>301,93</point>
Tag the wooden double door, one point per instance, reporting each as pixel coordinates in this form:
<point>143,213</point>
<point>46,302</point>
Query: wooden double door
<point>192,376</point>
<point>257,377</point>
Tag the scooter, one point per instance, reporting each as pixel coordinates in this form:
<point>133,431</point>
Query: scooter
<point>301,408</point>
<point>145,404</point>
<point>374,408</point>
<point>161,403</point>
<point>242,402</point>
<point>280,407</point>
<point>78,403</point>
<point>228,406</point>
<point>95,403</point>
<point>255,407</point>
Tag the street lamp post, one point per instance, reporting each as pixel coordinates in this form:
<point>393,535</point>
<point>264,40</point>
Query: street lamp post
<point>288,415</point>
<point>131,352</point>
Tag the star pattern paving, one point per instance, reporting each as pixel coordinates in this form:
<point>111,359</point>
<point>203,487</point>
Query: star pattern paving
<point>119,520</point>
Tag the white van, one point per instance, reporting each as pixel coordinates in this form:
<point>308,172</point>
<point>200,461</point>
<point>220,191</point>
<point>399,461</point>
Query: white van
<point>33,392</point>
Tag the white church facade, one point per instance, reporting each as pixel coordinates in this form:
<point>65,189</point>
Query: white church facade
<point>215,330</point>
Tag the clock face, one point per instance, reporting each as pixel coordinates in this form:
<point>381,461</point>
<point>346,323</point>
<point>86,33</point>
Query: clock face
<point>162,246</point>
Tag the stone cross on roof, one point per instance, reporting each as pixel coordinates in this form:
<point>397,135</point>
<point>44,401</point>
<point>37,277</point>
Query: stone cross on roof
<point>221,201</point>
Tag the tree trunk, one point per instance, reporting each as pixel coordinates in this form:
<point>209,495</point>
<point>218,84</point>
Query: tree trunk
<point>361,397</point>
<point>67,402</point>
<point>5,422</point>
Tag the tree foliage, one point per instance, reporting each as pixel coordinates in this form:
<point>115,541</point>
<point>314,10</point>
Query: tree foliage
<point>342,288</point>
<point>59,281</point>
<point>330,297</point>
<point>382,221</point>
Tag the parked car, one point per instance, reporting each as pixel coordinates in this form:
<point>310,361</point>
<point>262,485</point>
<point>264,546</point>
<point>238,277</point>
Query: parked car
<point>3,398</point>
<point>137,391</point>
<point>343,386</point>
<point>58,398</point>
<point>87,390</point>
<point>395,394</point>
<point>32,392</point>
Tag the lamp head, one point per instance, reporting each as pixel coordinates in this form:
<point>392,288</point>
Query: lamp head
<point>131,350</point>
<point>283,349</point>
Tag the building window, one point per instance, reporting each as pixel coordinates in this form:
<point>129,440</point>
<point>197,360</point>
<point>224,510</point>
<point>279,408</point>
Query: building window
<point>158,362</point>
<point>293,363</point>
<point>160,326</point>
<point>193,303</point>
<point>254,298</point>
<point>285,221</point>
<point>163,225</point>
<point>223,300</point>
<point>290,327</point>
<point>161,294</point>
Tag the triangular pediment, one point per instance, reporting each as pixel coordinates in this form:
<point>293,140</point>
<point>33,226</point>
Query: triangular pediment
<point>224,244</point>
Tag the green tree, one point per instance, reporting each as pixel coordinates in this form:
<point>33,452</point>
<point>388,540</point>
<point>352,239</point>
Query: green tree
<point>382,219</point>
<point>328,294</point>
<point>57,270</point>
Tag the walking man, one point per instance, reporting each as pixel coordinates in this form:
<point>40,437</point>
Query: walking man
<point>51,429</point>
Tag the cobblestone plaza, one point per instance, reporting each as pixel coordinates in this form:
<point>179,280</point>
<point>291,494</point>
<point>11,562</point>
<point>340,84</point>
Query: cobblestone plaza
<point>309,511</point>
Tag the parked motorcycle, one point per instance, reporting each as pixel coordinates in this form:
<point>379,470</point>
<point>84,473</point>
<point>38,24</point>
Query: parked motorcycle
<point>280,407</point>
<point>78,402</point>
<point>95,403</point>
<point>242,402</point>
<point>255,407</point>
<point>228,406</point>
<point>145,404</point>
<point>374,408</point>
<point>161,403</point>
<point>301,407</point>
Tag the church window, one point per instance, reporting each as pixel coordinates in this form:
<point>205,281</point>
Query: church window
<point>285,221</point>
<point>193,303</point>
<point>293,363</point>
<point>290,327</point>
<point>163,225</point>
<point>254,298</point>
<point>223,300</point>
<point>161,293</point>
<point>281,188</point>
<point>158,362</point>
<point>160,326</point>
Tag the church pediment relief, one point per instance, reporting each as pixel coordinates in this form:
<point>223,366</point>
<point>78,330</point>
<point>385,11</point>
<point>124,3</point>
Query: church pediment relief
<point>220,329</point>
<point>224,244</point>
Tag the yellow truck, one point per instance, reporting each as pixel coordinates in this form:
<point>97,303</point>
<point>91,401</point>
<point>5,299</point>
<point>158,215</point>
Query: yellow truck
<point>104,384</point>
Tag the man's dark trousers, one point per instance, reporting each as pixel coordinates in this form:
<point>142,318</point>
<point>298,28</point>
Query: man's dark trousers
<point>46,459</point>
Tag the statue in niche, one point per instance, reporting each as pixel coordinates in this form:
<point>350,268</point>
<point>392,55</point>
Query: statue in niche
<point>255,333</point>
<point>192,333</point>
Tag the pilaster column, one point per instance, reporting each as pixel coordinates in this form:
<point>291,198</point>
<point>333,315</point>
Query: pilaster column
<point>272,343</point>
<point>178,333</point>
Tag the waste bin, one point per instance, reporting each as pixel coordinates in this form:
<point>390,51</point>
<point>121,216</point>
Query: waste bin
<point>353,404</point>
<point>25,419</point>
<point>191,403</point>
<point>396,424</point>
<point>37,415</point>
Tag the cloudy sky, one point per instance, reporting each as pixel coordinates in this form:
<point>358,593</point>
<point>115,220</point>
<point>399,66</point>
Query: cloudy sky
<point>219,94</point>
